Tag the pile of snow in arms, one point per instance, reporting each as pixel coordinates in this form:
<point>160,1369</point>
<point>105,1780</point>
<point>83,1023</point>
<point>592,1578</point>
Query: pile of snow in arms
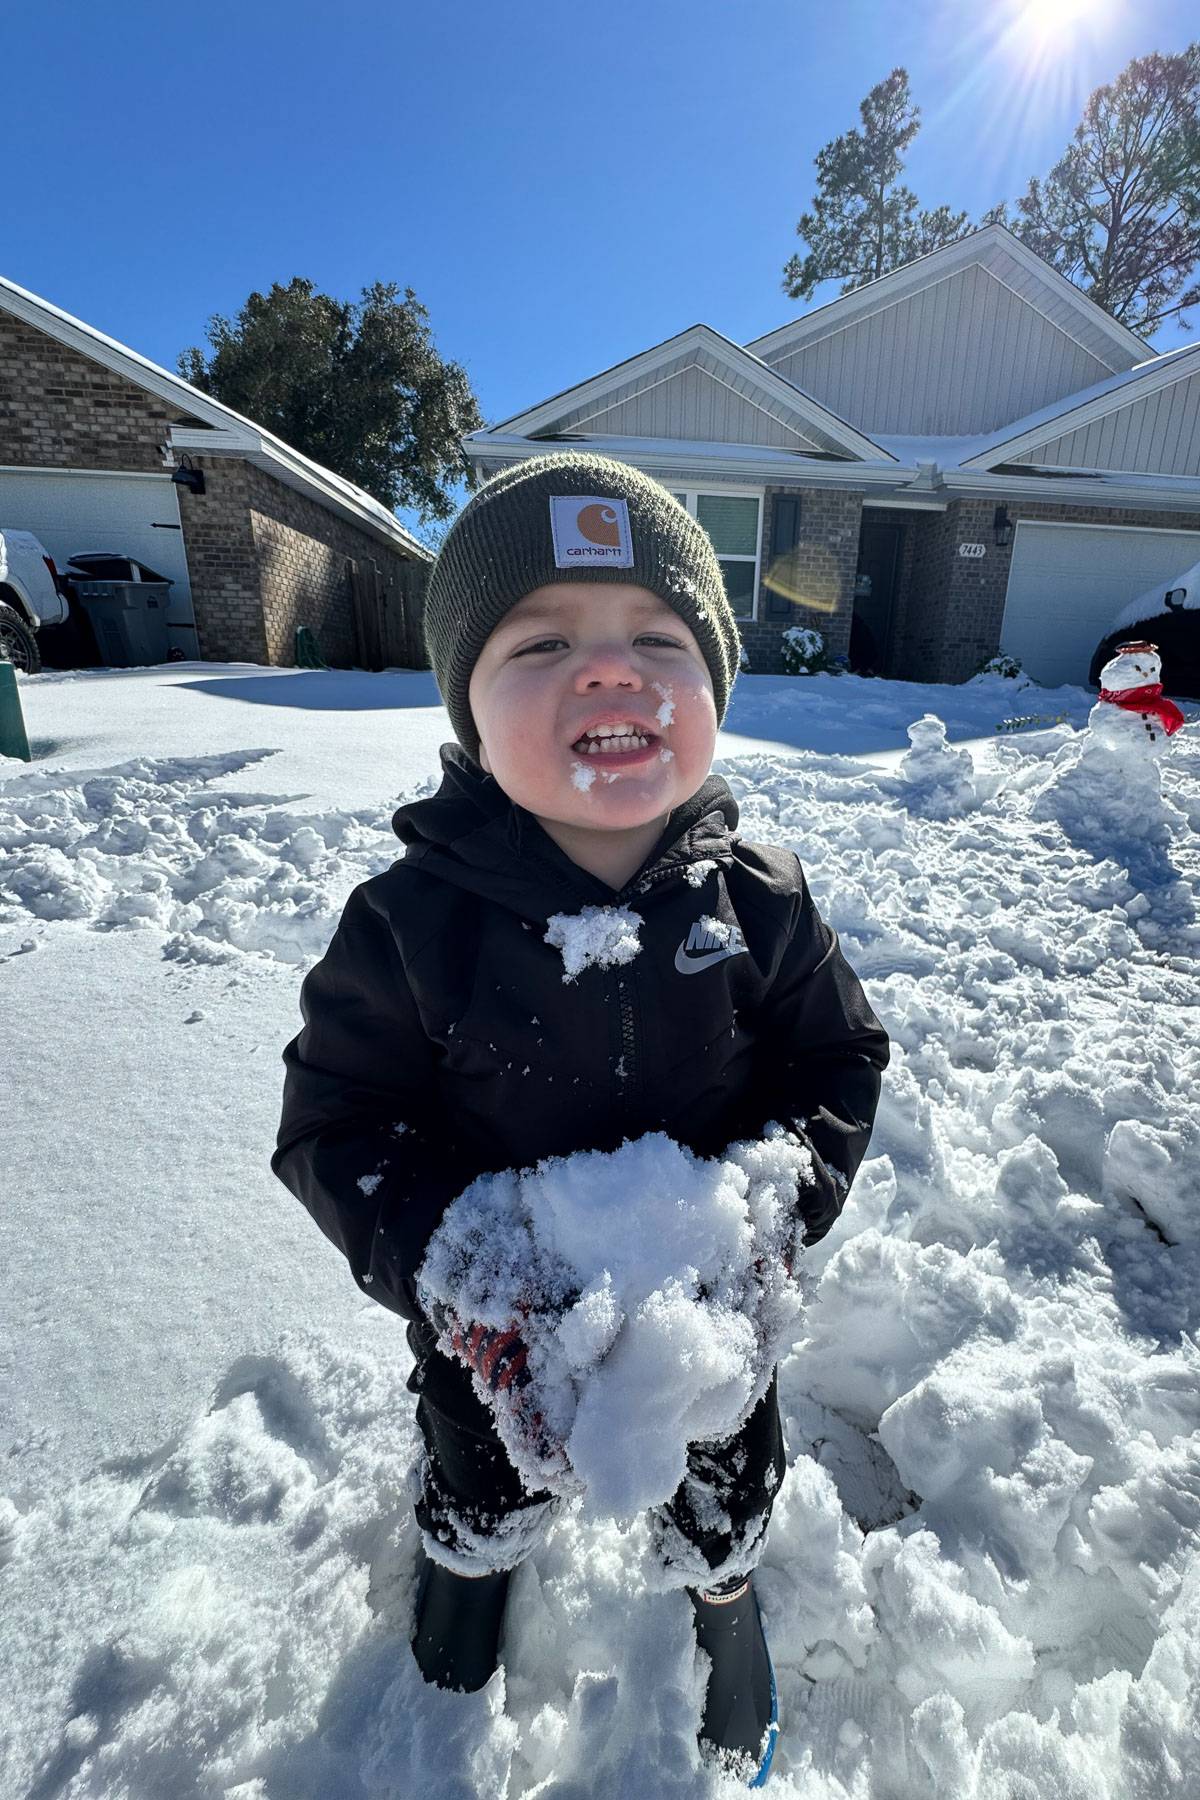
<point>652,1295</point>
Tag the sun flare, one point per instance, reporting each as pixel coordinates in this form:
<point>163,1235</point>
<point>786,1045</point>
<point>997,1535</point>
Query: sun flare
<point>1044,27</point>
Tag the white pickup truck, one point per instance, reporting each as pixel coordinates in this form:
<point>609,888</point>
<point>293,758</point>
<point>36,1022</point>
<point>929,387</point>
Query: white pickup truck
<point>31,598</point>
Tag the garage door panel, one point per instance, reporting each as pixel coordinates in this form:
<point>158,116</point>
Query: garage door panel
<point>1067,584</point>
<point>131,515</point>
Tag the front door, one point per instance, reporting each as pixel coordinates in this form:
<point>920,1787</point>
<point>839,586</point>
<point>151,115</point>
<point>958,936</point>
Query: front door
<point>874,594</point>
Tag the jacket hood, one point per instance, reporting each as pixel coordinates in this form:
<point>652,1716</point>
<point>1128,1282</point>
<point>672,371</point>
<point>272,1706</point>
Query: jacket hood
<point>470,833</point>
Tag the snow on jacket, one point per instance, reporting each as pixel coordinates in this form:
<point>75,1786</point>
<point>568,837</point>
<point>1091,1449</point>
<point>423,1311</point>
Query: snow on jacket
<point>441,1041</point>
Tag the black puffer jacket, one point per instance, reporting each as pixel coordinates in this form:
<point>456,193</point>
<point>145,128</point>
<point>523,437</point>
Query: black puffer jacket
<point>442,1042</point>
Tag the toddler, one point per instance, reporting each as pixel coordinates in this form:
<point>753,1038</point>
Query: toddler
<point>578,627</point>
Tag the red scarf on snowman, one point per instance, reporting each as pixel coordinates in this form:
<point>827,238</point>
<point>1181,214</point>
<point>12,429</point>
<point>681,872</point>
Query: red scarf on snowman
<point>1147,699</point>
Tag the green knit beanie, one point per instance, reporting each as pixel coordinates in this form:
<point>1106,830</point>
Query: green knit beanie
<point>569,517</point>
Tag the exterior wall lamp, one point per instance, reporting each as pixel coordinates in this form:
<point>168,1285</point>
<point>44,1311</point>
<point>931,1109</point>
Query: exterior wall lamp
<point>188,477</point>
<point>1002,527</point>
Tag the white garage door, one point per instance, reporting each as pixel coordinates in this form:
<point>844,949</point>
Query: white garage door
<point>132,515</point>
<point>1068,583</point>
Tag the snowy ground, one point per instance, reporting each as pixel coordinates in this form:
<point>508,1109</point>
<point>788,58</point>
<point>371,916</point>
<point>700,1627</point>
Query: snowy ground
<point>983,1575</point>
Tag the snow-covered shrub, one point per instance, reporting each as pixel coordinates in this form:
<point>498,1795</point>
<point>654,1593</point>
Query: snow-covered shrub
<point>744,661</point>
<point>804,653</point>
<point>1000,664</point>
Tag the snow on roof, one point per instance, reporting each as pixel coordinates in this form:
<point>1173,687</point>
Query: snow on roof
<point>946,452</point>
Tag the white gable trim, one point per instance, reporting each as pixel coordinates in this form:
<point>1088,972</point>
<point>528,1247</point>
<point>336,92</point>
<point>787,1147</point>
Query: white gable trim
<point>278,459</point>
<point>789,424</point>
<point>776,390</point>
<point>925,271</point>
<point>1078,410</point>
<point>836,327</point>
<point>231,434</point>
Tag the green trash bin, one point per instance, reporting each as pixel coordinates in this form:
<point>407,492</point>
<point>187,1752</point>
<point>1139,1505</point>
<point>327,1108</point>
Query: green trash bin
<point>129,619</point>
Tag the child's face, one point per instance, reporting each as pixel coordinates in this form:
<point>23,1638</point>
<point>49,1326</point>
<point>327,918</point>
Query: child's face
<point>569,656</point>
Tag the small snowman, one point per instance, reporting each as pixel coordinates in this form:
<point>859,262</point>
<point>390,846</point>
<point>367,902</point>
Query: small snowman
<point>1131,717</point>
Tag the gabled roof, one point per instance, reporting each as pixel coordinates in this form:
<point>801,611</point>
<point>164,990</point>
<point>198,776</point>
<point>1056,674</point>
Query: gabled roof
<point>231,433</point>
<point>722,359</point>
<point>996,250</point>
<point>1086,407</point>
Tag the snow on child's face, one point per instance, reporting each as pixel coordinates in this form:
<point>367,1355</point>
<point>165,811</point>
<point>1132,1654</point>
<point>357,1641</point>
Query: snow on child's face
<point>570,655</point>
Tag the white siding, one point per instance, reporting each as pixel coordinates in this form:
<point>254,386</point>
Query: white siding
<point>695,398</point>
<point>1062,307</point>
<point>694,405</point>
<point>962,355</point>
<point>1158,435</point>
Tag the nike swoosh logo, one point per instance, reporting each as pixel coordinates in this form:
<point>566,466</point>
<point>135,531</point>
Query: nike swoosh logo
<point>691,965</point>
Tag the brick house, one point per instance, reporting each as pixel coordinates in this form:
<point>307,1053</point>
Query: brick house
<point>90,434</point>
<point>964,456</point>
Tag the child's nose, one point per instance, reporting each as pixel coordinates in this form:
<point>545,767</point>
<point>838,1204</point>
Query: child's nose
<point>608,665</point>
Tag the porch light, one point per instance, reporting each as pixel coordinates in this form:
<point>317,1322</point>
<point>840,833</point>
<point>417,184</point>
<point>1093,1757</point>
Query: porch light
<point>188,477</point>
<point>1002,527</point>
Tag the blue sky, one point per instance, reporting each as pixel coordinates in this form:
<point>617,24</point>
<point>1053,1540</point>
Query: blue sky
<point>561,185</point>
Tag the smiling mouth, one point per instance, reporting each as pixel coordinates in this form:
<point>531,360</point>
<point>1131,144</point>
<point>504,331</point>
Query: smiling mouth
<point>605,740</point>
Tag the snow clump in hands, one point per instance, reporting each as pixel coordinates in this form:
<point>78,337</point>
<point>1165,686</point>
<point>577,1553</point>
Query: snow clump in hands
<point>652,1295</point>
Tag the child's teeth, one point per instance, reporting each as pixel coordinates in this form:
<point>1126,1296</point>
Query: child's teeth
<point>608,742</point>
<point>611,744</point>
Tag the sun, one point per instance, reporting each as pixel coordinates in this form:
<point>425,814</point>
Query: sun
<point>1048,27</point>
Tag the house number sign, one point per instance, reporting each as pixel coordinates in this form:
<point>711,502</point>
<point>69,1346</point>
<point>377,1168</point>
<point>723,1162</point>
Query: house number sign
<point>974,551</point>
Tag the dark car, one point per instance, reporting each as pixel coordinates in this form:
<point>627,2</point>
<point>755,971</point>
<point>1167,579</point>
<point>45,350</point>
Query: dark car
<point>1168,618</point>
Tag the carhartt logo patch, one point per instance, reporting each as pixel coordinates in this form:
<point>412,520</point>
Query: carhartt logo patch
<point>590,532</point>
<point>709,941</point>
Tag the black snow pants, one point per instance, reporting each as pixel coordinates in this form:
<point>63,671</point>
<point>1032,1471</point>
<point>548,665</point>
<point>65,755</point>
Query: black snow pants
<point>475,1514</point>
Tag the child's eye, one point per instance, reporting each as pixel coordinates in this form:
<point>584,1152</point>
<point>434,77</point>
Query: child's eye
<point>544,644</point>
<point>646,637</point>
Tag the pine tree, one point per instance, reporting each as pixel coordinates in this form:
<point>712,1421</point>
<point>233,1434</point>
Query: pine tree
<point>358,386</point>
<point>1119,213</point>
<point>863,220</point>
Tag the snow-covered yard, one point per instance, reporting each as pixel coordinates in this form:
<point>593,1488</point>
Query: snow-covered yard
<point>983,1574</point>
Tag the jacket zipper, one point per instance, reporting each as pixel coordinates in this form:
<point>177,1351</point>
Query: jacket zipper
<point>628,1041</point>
<point>628,1061</point>
<point>648,881</point>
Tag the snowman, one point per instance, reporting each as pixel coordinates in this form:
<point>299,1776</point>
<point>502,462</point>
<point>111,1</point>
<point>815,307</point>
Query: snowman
<point>1131,719</point>
<point>1105,785</point>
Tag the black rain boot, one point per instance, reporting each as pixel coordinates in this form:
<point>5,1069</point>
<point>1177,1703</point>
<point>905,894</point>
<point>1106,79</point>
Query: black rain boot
<point>458,1617</point>
<point>740,1708</point>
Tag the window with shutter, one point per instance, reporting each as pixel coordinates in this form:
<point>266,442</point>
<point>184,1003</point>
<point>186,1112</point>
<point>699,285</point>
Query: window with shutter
<point>733,520</point>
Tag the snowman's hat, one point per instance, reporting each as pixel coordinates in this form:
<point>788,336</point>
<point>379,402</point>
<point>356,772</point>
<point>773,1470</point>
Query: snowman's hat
<point>1133,645</point>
